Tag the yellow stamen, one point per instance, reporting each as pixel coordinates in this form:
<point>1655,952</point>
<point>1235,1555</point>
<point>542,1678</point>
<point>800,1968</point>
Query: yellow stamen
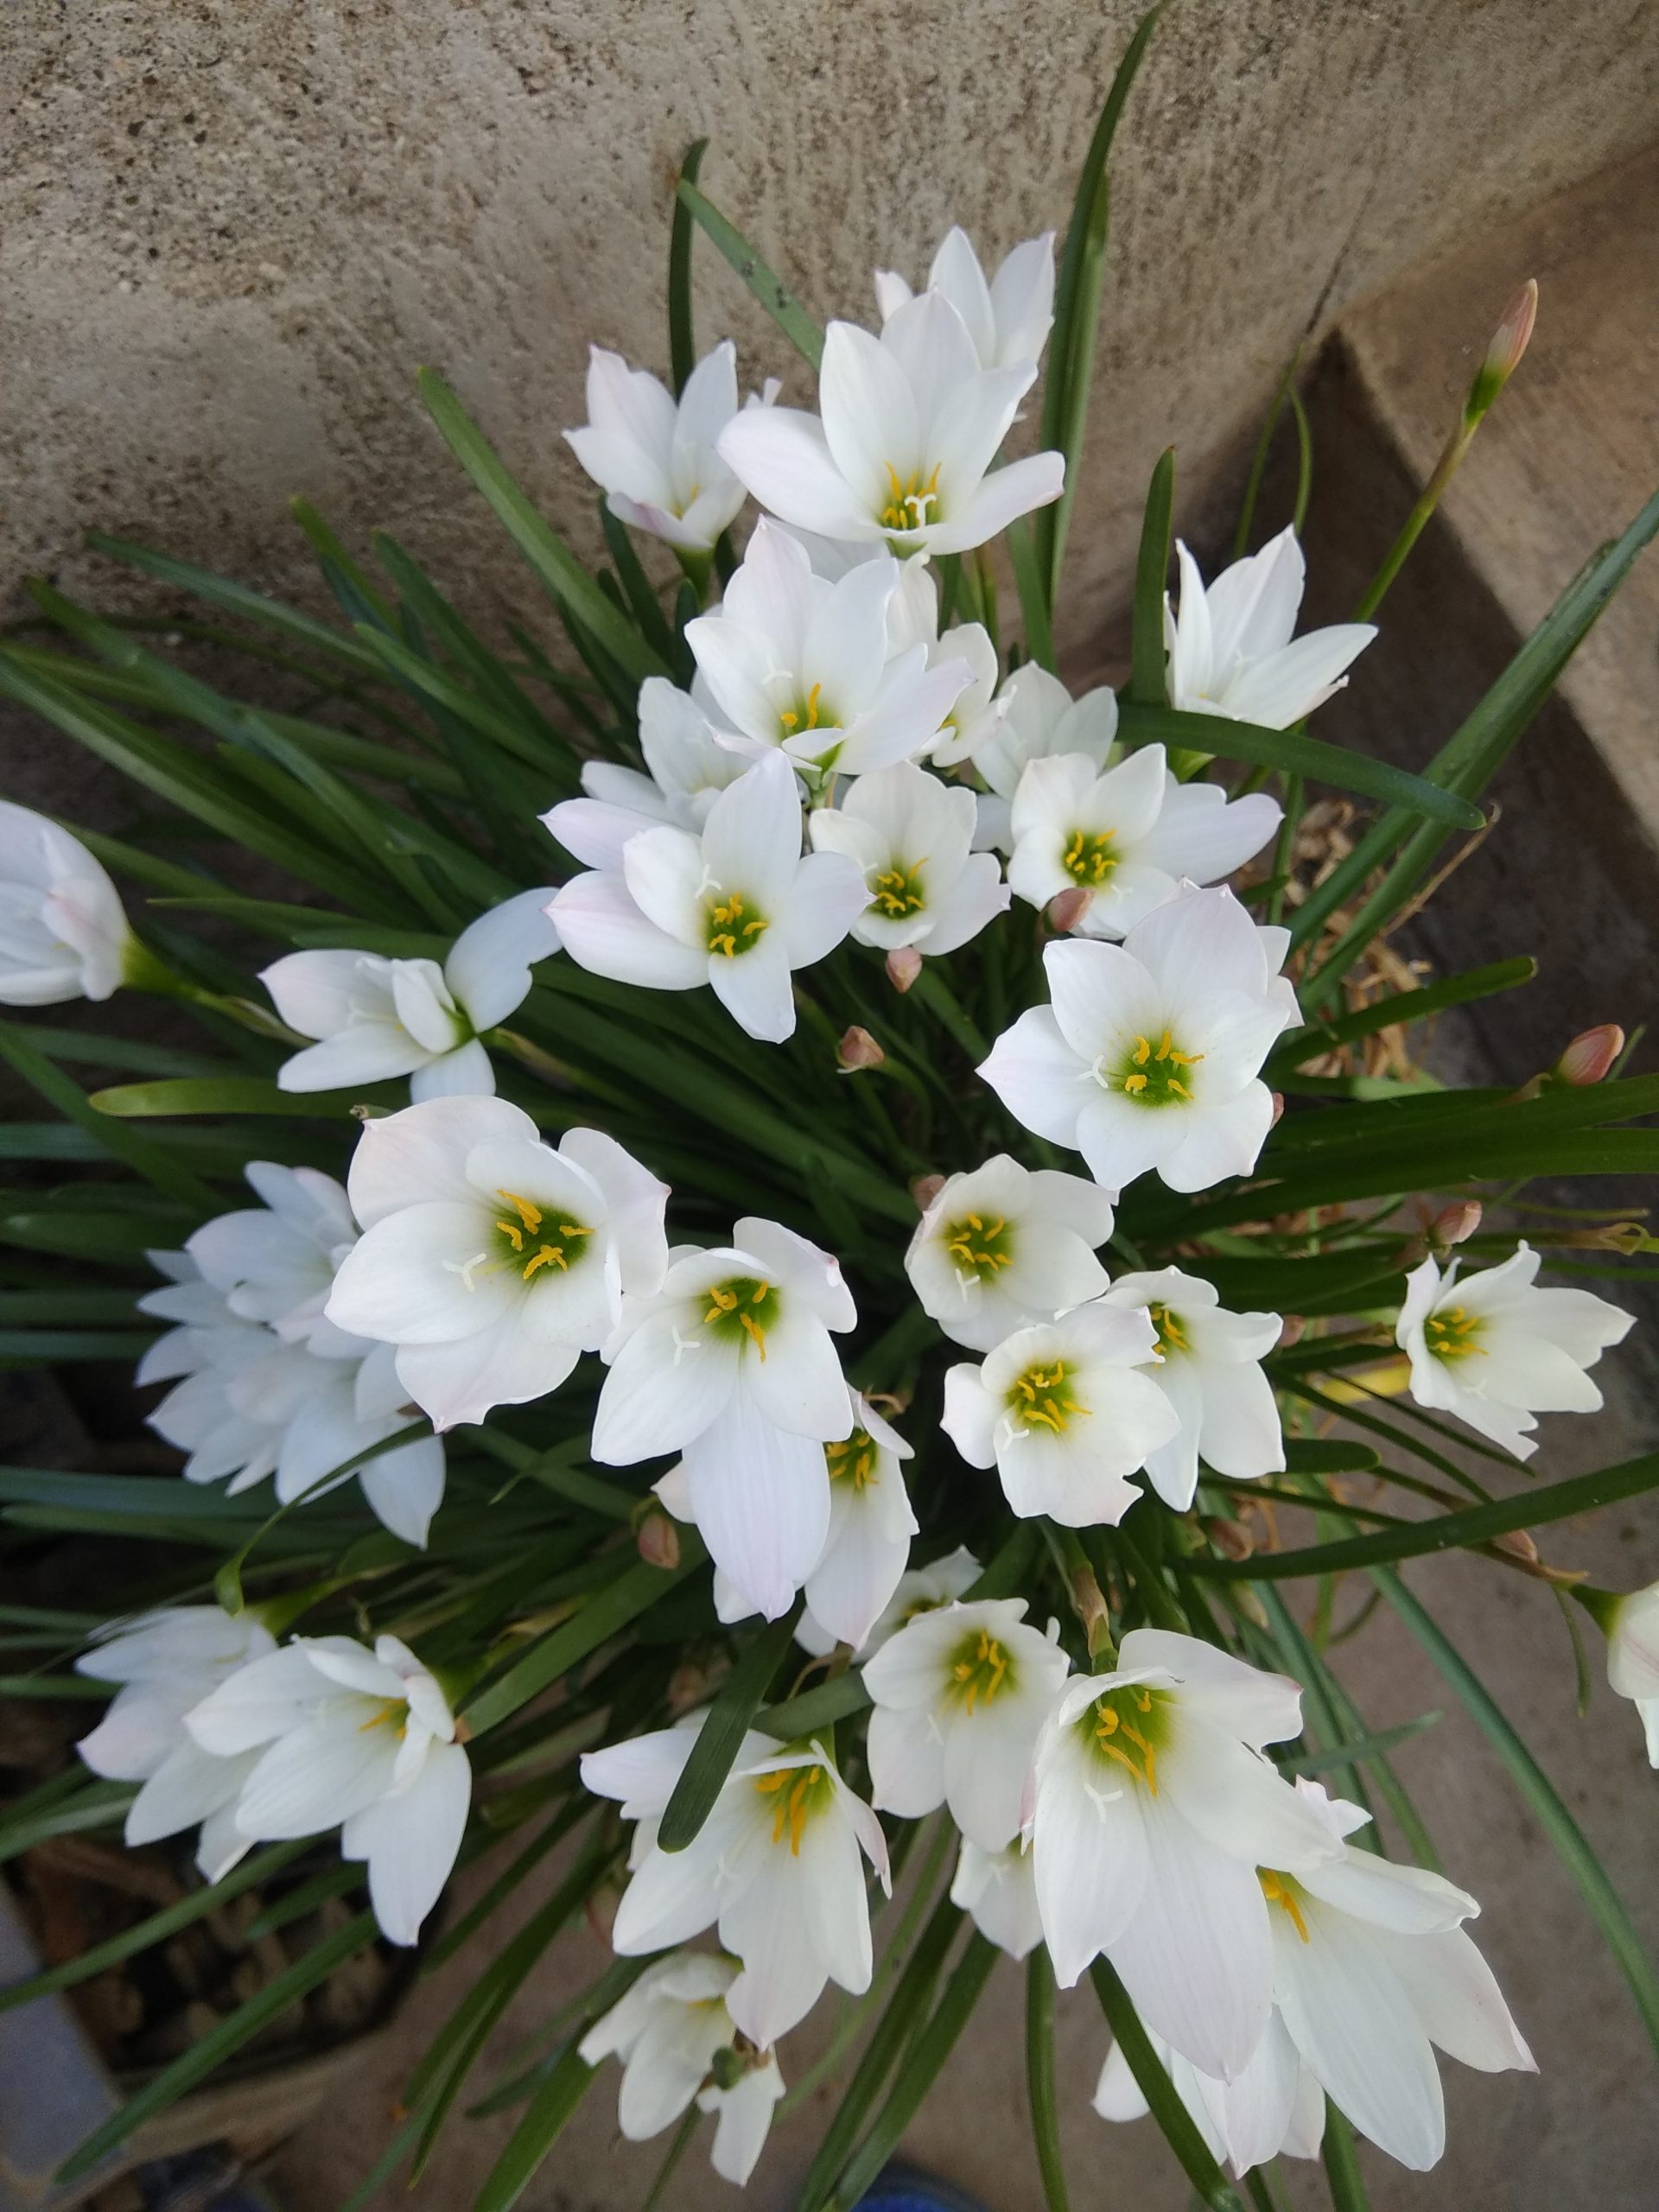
<point>1277,1890</point>
<point>793,1788</point>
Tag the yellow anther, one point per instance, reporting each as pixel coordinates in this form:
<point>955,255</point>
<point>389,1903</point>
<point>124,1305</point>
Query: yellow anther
<point>1135,1084</point>
<point>793,1790</point>
<point>852,1459</point>
<point>529,1214</point>
<point>1143,1052</point>
<point>1280,1891</point>
<point>546,1256</point>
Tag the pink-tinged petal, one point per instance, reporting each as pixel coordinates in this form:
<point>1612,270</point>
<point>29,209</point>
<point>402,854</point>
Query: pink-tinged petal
<point>604,931</point>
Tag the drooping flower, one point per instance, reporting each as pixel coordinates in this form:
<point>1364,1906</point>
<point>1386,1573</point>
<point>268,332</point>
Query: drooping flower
<point>672,2031</point>
<point>792,659</point>
<point>1273,2107</point>
<point>1129,836</point>
<point>1209,1370</point>
<point>1009,317</point>
<point>1039,721</point>
<point>1004,1246</point>
<point>490,1261</point>
<point>1632,1626</point>
<point>376,1018</point>
<point>1065,1411</point>
<point>731,1364</point>
<point>960,1696</point>
<point>776,1866</point>
<point>689,763</point>
<point>1151,1810</point>
<point>1149,1055</point>
<point>911,837</point>
<point>63,932</point>
<point>911,424</point>
<point>167,1662</point>
<point>362,1739</point>
<point>1230,649</point>
<point>996,1890</point>
<point>657,458</point>
<point>737,908</point>
<point>1497,1351</point>
<point>917,1590</point>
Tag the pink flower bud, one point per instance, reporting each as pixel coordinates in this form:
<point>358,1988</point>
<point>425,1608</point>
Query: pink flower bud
<point>1278,1108</point>
<point>904,966</point>
<point>858,1049</point>
<point>1067,908</point>
<point>1456,1224</point>
<point>1291,1333</point>
<point>658,1540</point>
<point>925,1190</point>
<point>1589,1059</point>
<point>1510,338</point>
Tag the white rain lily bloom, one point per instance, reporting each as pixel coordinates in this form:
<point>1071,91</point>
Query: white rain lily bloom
<point>1209,1368</point>
<point>275,1263</point>
<point>914,619</point>
<point>668,2030</point>
<point>1039,721</point>
<point>960,1695</point>
<point>1152,1810</point>
<point>63,930</point>
<point>1065,1411</point>
<point>917,1590</point>
<point>1371,1973</point>
<point>910,426</point>
<point>1230,649</point>
<point>737,907</point>
<point>731,1364</point>
<point>689,763</point>
<point>376,1018</point>
<point>996,1890</point>
<point>1273,2107</point>
<point>362,1739</point>
<point>776,1866</point>
<point>491,1260</point>
<point>656,458</point>
<point>911,836</point>
<point>1632,1626</point>
<point>1149,1054</point>
<point>1497,1351</point>
<point>167,1662</point>
<point>1129,836</point>
<point>1009,318</point>
<point>793,660</point>
<point>1004,1246</point>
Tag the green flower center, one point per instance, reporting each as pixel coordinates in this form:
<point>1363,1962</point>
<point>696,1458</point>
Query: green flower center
<point>1451,1333</point>
<point>979,1669</point>
<point>744,1306</point>
<point>897,892</point>
<point>731,926</point>
<point>1126,1729</point>
<point>853,1460</point>
<point>1154,1074</point>
<point>912,503</point>
<point>809,712</point>
<point>1089,858</point>
<point>981,1246</point>
<point>1044,1396</point>
<point>530,1239</point>
<point>1171,1331</point>
<point>797,1792</point>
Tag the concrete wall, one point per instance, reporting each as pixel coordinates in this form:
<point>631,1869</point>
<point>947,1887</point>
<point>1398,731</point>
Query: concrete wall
<point>229,229</point>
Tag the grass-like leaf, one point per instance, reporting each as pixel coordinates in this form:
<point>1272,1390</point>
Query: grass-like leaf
<point>1210,2184</point>
<point>1040,2078</point>
<point>704,1776</point>
<point>774,295</point>
<point>1147,687</point>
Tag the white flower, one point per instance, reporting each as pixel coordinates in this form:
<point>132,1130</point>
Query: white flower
<point>1153,1809</point>
<point>1010,318</point>
<point>1065,1411</point>
<point>668,2030</point>
<point>657,458</point>
<point>166,1663</point>
<point>791,660</point>
<point>275,1263</point>
<point>1229,647</point>
<point>489,1260</point>
<point>911,424</point>
<point>1497,1351</point>
<point>1633,1658</point>
<point>1128,836</point>
<point>1038,720</point>
<point>1273,2107</point>
<point>1149,1055</point>
<point>776,1865</point>
<point>364,1739</point>
<point>1209,1370</point>
<point>737,908</point>
<point>911,837</point>
<point>377,1018</point>
<point>688,762</point>
<point>731,1364</point>
<point>917,1590</point>
<point>63,932</point>
<point>914,619</point>
<point>1371,1970</point>
<point>997,1891</point>
<point>960,1695</point>
<point>1004,1246</point>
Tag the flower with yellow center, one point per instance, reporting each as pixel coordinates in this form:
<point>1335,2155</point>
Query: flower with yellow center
<point>1004,1246</point>
<point>912,834</point>
<point>1208,1368</point>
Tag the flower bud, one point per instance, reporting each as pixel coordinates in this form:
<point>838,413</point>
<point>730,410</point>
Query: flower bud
<point>1291,1331</point>
<point>1278,1108</point>
<point>1456,1224</point>
<point>925,1190</point>
<point>858,1049</point>
<point>1518,1544</point>
<point>1067,908</point>
<point>1509,343</point>
<point>1589,1059</point>
<point>904,966</point>
<point>1231,1538</point>
<point>658,1540</point>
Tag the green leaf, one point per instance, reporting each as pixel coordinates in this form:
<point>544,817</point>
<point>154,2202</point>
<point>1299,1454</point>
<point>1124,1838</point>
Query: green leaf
<point>99,1805</point>
<point>536,2133</point>
<point>566,580</point>
<point>1147,681</point>
<point>232,1094</point>
<point>774,296</point>
<point>141,1154</point>
<point>1040,2078</point>
<point>1309,1455</point>
<point>682,333</point>
<point>1210,2184</point>
<point>1402,1007</point>
<point>814,1710</point>
<point>1259,459</point>
<point>636,587</point>
<point>704,1776</point>
<point>1336,765</point>
<point>234,598</point>
<point>1342,2163</point>
<point>1030,583</point>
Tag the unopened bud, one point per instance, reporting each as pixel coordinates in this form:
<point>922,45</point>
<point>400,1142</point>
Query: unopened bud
<point>1231,1538</point>
<point>1091,1608</point>
<point>1290,1331</point>
<point>658,1540</point>
<point>1067,908</point>
<point>1590,1057</point>
<point>904,966</point>
<point>1456,1224</point>
<point>1509,344</point>
<point>1518,1544</point>
<point>1278,1097</point>
<point>858,1049</point>
<point>728,2067</point>
<point>925,1190</point>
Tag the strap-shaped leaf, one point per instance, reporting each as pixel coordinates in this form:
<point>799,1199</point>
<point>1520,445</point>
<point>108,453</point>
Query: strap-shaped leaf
<point>774,296</point>
<point>1208,2181</point>
<point>719,1739</point>
<point>1148,685</point>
